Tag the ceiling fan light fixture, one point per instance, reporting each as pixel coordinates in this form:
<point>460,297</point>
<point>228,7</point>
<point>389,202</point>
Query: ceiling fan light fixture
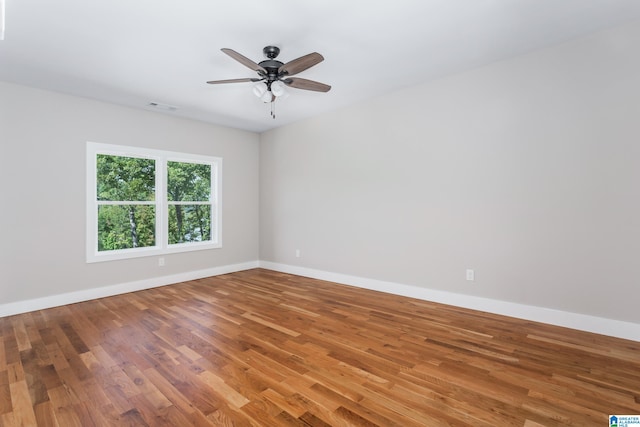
<point>278,89</point>
<point>259,89</point>
<point>266,96</point>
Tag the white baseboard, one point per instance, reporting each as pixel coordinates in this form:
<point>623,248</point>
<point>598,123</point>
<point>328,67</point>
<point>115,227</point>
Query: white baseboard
<point>583,322</point>
<point>599,325</point>
<point>26,306</point>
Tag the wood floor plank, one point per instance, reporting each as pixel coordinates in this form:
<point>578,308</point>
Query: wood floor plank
<point>22,405</point>
<point>265,349</point>
<point>45,417</point>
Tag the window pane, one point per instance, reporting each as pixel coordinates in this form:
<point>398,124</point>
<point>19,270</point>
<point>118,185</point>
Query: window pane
<point>126,226</point>
<point>188,182</point>
<point>122,178</point>
<point>189,223</point>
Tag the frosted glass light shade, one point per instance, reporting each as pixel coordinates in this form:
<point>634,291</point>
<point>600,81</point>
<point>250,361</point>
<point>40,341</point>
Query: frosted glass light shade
<point>259,89</point>
<point>277,88</point>
<point>266,97</point>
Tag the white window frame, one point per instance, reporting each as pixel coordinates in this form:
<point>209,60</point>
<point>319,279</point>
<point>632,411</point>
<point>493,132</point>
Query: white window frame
<point>161,203</point>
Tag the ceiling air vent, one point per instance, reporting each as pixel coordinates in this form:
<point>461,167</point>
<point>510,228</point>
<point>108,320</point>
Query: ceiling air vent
<point>163,107</point>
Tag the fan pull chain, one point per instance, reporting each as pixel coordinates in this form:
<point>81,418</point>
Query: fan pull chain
<point>273,109</point>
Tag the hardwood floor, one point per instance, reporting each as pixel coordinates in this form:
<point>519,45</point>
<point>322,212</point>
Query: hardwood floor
<point>260,348</point>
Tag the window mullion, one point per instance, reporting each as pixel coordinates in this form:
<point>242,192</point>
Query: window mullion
<point>161,202</point>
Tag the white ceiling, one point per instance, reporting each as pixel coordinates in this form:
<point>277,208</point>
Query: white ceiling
<point>133,52</point>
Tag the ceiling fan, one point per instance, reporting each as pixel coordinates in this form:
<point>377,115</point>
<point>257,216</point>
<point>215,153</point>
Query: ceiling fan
<point>274,76</point>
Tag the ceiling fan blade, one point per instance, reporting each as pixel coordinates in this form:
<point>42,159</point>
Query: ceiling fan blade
<point>305,84</point>
<point>244,60</point>
<point>298,65</point>
<point>215,82</point>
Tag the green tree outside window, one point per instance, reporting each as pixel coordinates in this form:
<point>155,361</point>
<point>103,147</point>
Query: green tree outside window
<point>123,225</point>
<point>188,196</point>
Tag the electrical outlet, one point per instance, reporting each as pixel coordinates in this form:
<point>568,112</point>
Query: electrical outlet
<point>471,276</point>
<point>297,253</point>
<point>161,262</point>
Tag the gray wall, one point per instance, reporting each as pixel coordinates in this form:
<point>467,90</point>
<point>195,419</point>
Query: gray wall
<point>42,170</point>
<point>527,171</point>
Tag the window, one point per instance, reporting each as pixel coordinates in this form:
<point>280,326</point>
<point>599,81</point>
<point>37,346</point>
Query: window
<point>143,202</point>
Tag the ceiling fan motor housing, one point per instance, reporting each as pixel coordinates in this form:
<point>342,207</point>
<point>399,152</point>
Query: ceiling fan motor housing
<point>271,65</point>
